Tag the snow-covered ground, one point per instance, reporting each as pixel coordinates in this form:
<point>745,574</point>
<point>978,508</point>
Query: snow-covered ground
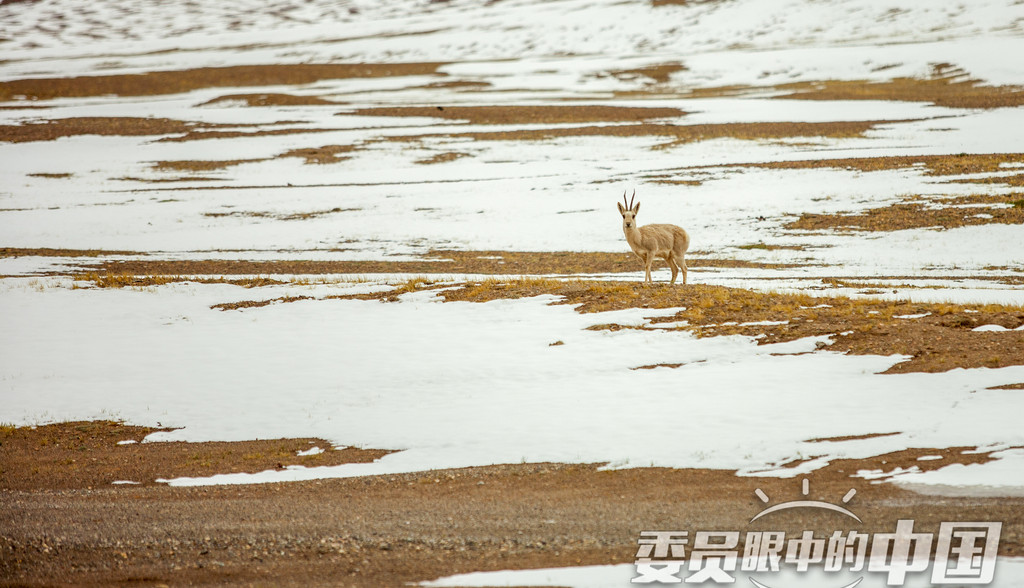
<point>461,384</point>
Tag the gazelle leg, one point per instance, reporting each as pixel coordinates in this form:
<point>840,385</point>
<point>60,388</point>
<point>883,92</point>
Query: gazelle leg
<point>648,263</point>
<point>682,266</point>
<point>672,265</point>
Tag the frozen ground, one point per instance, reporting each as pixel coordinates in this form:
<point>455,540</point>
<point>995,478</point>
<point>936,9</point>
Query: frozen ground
<point>458,384</point>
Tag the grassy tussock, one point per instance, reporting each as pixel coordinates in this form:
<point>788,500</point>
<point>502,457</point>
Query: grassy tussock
<point>718,310</point>
<point>127,280</point>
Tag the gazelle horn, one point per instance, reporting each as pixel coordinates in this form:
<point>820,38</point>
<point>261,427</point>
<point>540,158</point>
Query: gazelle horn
<point>630,199</point>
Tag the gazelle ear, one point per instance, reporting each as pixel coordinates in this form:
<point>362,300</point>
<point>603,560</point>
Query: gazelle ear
<point>636,209</point>
<point>621,209</point>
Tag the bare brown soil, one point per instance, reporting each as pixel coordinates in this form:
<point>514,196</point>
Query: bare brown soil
<point>681,2</point>
<point>274,99</point>
<point>658,74</point>
<point>199,166</point>
<point>944,213</point>
<point>385,531</point>
<point>676,134</point>
<point>321,155</point>
<point>174,82</point>
<point>51,252</point>
<point>442,158</point>
<point>944,91</point>
<point>87,455</point>
<point>947,86</point>
<point>937,165</point>
<point>123,126</point>
<point>201,134</point>
<point>512,114</point>
<point>279,216</point>
<point>310,155</point>
<point>477,262</point>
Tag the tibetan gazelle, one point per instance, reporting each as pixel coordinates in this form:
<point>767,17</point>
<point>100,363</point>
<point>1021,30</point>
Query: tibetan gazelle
<point>668,242</point>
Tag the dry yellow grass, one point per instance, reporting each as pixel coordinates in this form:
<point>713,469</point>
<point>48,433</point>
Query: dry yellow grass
<point>128,280</point>
<point>921,213</point>
<point>939,340</point>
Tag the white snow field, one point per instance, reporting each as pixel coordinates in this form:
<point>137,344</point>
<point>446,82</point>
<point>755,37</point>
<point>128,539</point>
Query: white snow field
<point>459,384</point>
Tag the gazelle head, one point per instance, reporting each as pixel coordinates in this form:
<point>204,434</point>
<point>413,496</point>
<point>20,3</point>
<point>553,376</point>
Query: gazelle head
<point>629,211</point>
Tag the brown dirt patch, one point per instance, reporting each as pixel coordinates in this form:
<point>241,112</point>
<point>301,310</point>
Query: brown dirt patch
<point>947,86</point>
<point>388,531</point>
<point>670,180</point>
<point>940,341</point>
<point>310,155</point>
<point>271,100</point>
<point>49,252</point>
<point>443,262</point>
<point>258,303</point>
<point>946,213</point>
<point>1011,180</point>
<point>322,155</point>
<point>659,365</point>
<point>96,125</point>
<point>658,74</point>
<point>766,247</point>
<point>841,438</point>
<point>1019,386</point>
<point>951,92</point>
<point>936,165</point>
<point>676,134</point>
<point>681,2</point>
<point>511,114</point>
<point>174,82</point>
<point>442,158</point>
<point>199,135</point>
<point>199,166</point>
<point>279,216</point>
<point>938,345</point>
<point>469,85</point>
<point>87,455</point>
